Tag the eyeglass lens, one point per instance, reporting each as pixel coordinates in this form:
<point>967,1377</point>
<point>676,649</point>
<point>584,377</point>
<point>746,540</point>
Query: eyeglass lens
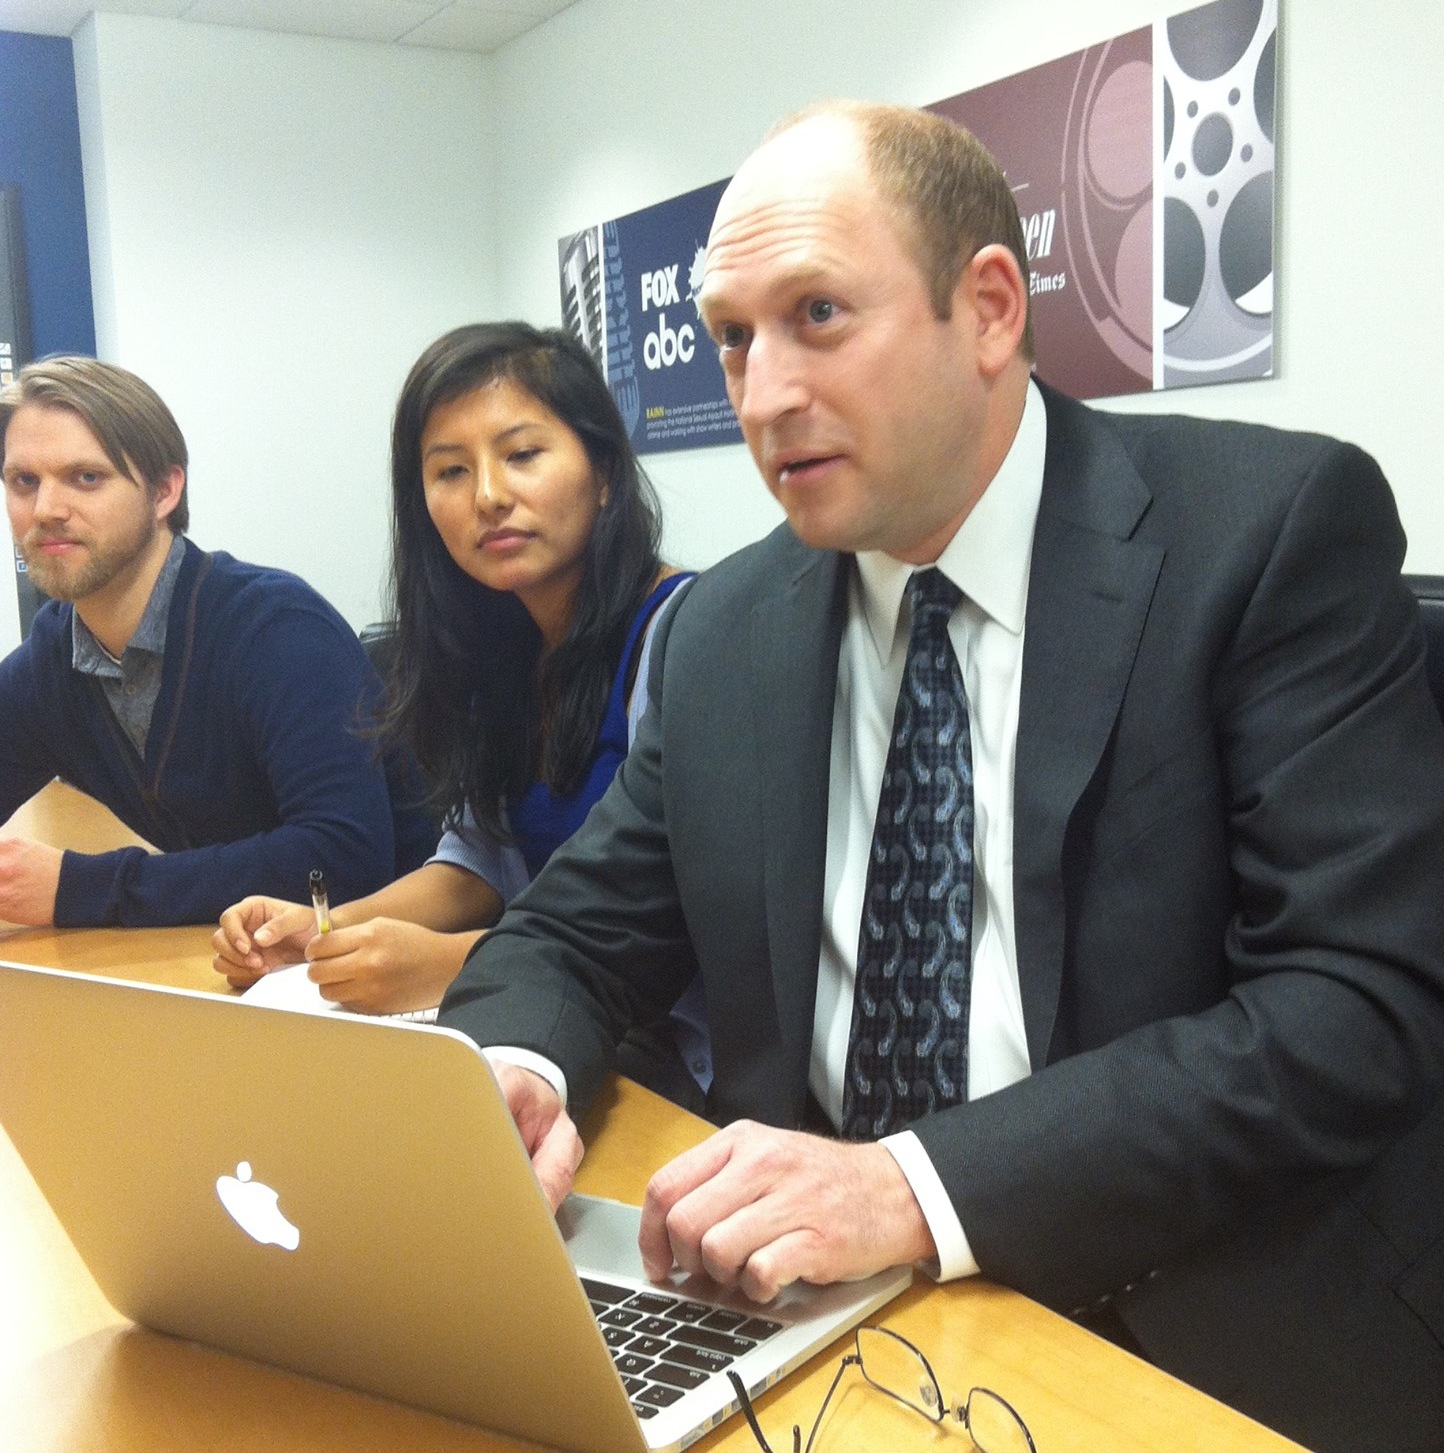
<point>995,1427</point>
<point>895,1367</point>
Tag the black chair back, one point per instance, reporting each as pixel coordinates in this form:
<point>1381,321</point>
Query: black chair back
<point>379,643</point>
<point>1429,592</point>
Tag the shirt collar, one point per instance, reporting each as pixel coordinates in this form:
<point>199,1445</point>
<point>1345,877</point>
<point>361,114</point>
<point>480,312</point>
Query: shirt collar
<point>89,656</point>
<point>989,557</point>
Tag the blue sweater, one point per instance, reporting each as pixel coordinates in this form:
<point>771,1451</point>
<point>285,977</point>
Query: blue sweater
<point>254,771</point>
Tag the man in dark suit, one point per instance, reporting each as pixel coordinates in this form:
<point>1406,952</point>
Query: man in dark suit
<point>1207,943</point>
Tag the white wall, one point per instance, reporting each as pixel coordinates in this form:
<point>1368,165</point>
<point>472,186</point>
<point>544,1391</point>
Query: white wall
<point>278,224</point>
<point>617,104</point>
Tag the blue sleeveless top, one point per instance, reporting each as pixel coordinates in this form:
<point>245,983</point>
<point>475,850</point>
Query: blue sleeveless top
<point>540,821</point>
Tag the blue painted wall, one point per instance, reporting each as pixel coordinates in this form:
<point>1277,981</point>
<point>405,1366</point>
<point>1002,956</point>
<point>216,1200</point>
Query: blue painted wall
<point>40,153</point>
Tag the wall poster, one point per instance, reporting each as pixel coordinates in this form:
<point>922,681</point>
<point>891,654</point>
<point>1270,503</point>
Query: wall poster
<point>629,291</point>
<point>1143,169</point>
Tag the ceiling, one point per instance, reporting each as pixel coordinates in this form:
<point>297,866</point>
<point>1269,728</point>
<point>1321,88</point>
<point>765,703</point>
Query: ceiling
<point>471,25</point>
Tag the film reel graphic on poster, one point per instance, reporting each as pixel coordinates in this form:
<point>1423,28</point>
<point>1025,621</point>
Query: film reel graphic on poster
<point>1216,182</point>
<point>1106,199</point>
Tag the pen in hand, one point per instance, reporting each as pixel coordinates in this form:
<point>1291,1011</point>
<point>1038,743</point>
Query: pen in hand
<point>318,898</point>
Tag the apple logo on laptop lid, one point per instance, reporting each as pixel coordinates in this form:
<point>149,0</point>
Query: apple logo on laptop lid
<point>252,1205</point>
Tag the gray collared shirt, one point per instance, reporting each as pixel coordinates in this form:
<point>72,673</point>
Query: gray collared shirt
<point>132,683</point>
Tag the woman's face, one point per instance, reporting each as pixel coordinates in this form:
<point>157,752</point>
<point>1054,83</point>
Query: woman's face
<point>514,497</point>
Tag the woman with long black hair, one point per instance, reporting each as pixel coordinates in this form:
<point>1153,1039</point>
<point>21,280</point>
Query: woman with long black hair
<point>526,582</point>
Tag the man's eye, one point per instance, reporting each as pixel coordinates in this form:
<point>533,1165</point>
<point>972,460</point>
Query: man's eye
<point>731,336</point>
<point>819,310</point>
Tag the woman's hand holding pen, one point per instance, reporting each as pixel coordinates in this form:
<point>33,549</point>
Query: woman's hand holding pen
<point>384,965</point>
<point>379,966</point>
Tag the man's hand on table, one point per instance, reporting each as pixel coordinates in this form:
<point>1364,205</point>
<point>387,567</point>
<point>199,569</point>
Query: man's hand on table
<point>29,881</point>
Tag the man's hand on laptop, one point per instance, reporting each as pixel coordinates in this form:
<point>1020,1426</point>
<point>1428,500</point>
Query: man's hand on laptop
<point>29,881</point>
<point>546,1129</point>
<point>758,1208</point>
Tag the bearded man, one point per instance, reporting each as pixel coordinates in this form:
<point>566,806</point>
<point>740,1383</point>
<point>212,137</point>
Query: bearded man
<point>212,705</point>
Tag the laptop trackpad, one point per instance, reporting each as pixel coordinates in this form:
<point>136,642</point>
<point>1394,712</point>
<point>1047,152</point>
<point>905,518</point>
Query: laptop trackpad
<point>601,1235</point>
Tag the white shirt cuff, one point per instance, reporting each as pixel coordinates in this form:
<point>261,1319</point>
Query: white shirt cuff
<point>955,1256</point>
<point>538,1064</point>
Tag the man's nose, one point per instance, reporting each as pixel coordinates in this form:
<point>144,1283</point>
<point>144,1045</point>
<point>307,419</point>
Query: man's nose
<point>52,500</point>
<point>773,382</point>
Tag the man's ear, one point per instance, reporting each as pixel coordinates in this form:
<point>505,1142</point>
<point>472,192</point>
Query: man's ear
<point>994,293</point>
<point>168,495</point>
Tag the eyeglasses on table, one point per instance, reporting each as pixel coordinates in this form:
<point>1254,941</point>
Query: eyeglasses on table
<point>893,1366</point>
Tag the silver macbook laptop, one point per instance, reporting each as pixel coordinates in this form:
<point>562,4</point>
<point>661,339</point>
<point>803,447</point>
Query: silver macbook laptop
<point>348,1198</point>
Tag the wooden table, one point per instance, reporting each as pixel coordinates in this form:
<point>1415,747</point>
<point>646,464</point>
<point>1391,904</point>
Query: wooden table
<point>75,1377</point>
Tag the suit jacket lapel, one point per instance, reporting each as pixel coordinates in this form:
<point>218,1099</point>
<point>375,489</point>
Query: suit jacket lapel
<point>796,633</point>
<point>1089,591</point>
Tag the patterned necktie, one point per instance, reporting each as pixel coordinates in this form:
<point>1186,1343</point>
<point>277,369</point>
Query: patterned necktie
<point>908,1053</point>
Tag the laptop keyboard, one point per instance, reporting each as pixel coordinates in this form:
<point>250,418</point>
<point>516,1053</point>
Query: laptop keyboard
<point>666,1345</point>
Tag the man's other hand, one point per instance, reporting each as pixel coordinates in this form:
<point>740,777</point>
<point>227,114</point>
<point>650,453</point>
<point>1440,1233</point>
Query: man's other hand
<point>546,1129</point>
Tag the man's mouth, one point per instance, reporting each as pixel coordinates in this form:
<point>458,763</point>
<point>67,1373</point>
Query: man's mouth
<point>51,545</point>
<point>796,471</point>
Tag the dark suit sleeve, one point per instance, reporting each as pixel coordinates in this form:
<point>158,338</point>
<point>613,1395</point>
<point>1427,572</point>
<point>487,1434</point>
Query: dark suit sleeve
<point>1318,1032</point>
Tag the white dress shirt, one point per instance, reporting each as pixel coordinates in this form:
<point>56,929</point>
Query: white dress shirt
<point>988,560</point>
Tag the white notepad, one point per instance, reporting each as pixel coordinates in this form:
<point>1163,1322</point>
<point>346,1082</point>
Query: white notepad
<point>292,988</point>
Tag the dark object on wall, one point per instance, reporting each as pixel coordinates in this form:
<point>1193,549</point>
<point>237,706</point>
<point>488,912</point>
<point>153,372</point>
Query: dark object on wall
<point>15,340</point>
<point>31,599</point>
<point>1429,592</point>
<point>15,349</point>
